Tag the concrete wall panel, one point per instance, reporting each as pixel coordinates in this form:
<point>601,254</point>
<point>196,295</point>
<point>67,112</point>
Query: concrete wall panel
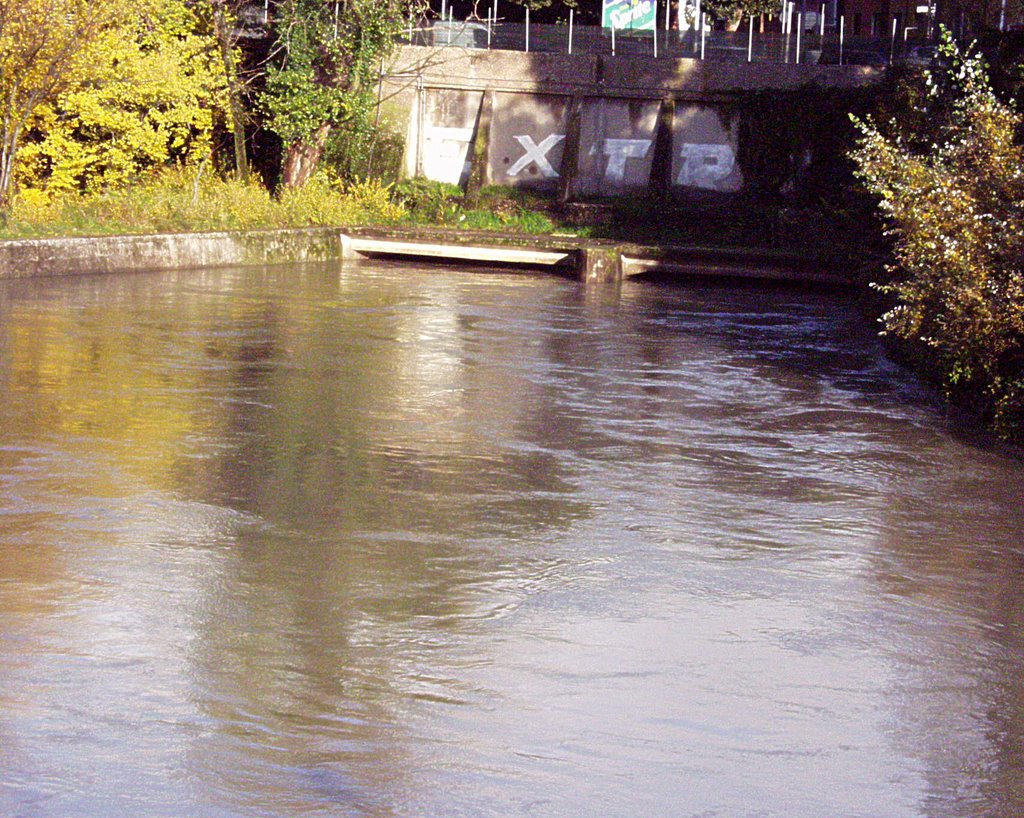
<point>527,140</point>
<point>449,128</point>
<point>704,150</point>
<point>616,146</point>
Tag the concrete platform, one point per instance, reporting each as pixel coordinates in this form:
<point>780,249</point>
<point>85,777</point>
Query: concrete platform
<point>592,261</point>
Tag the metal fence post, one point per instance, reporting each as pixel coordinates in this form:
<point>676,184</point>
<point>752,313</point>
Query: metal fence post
<point>750,40</point>
<point>527,29</point>
<point>842,21</point>
<point>570,31</point>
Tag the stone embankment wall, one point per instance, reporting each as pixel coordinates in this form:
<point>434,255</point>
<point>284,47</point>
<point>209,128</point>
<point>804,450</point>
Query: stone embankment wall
<point>117,254</point>
<point>583,126</point>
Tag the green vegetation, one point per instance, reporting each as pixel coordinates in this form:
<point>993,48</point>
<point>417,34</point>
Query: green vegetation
<point>324,77</point>
<point>949,174</point>
<point>182,200</point>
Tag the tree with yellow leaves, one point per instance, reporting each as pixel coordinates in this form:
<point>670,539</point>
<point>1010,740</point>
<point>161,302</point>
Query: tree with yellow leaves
<point>155,87</point>
<point>41,48</point>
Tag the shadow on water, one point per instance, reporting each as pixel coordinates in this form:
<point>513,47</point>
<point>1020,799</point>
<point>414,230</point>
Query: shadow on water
<point>297,515</point>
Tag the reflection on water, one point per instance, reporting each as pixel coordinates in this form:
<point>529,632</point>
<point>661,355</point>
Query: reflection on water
<point>387,542</point>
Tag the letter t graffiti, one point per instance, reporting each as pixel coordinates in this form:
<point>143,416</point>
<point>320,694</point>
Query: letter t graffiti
<point>537,154</point>
<point>618,151</point>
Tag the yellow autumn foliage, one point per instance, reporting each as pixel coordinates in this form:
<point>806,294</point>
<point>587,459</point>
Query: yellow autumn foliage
<point>154,87</point>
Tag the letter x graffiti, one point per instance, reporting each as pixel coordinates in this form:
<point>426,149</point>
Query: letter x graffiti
<point>537,154</point>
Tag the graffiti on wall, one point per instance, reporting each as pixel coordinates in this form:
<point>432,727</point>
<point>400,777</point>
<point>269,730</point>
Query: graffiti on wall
<point>446,153</point>
<point>705,166</point>
<point>701,165</point>
<point>529,134</point>
<point>536,154</point>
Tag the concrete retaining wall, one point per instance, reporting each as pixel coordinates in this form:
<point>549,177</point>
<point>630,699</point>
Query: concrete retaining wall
<point>584,126</point>
<point>115,254</point>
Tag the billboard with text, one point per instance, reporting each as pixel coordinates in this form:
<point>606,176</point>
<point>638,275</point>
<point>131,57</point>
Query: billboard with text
<point>629,15</point>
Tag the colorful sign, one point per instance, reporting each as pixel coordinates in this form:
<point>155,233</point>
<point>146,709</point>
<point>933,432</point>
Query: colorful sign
<point>629,15</point>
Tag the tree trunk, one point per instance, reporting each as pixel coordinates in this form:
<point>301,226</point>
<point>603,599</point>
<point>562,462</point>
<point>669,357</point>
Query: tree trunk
<point>227,56</point>
<point>302,157</point>
<point>7,156</point>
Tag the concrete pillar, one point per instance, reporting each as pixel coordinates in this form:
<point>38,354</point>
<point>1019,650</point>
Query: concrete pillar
<point>600,265</point>
<point>480,172</point>
<point>661,165</point>
<point>571,152</point>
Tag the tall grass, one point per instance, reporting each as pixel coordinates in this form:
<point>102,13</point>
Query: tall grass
<point>183,200</point>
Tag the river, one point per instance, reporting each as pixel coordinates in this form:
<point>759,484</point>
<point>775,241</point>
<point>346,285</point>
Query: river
<point>387,541</point>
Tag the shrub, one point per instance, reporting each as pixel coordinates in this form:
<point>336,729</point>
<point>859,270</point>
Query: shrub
<point>430,201</point>
<point>955,207</point>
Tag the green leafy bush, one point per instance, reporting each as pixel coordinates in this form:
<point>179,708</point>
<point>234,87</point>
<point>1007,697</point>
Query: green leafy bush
<point>954,202</point>
<point>429,201</point>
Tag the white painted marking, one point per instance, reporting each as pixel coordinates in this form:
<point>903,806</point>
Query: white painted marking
<point>445,153</point>
<point>537,154</point>
<point>705,165</point>
<point>618,151</point>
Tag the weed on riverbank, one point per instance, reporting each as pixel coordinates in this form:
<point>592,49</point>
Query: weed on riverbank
<point>183,201</point>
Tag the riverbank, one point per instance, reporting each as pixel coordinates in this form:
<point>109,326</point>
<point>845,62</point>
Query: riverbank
<point>588,259</point>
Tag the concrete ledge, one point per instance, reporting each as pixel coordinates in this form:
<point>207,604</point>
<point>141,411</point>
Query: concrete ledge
<point>117,254</point>
<point>605,76</point>
<point>591,261</point>
<point>499,254</point>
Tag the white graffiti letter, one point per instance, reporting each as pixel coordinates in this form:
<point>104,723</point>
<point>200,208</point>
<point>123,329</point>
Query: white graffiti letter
<point>445,153</point>
<point>705,165</point>
<point>618,151</point>
<point>537,154</point>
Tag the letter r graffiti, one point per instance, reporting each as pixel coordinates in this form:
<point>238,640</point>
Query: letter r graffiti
<point>537,154</point>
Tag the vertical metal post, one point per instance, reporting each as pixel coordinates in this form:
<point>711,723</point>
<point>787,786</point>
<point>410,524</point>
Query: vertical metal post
<point>703,25</point>
<point>654,31</point>
<point>570,30</point>
<point>490,25</point>
<point>750,40</point>
<point>842,21</point>
<point>785,30</point>
<point>527,29</point>
<point>892,42</point>
<point>821,20</point>
<point>799,28</point>
<point>613,39</point>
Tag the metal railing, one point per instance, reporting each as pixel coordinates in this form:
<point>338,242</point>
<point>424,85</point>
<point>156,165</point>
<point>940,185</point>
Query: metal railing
<point>829,46</point>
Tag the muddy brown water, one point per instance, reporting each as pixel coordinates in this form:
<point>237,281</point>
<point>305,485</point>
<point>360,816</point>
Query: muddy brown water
<point>384,541</point>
